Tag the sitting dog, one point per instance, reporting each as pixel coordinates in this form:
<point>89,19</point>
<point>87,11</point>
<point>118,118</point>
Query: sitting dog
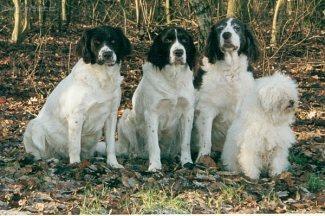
<point>222,82</point>
<point>260,136</point>
<point>85,103</point>
<point>160,122</point>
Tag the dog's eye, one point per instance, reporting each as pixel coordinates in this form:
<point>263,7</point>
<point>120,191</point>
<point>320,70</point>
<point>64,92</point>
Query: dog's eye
<point>236,28</point>
<point>219,28</point>
<point>96,42</point>
<point>168,40</point>
<point>184,40</point>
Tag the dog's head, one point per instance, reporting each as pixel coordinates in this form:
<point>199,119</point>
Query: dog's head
<point>277,96</point>
<point>103,45</point>
<point>230,35</point>
<point>172,46</point>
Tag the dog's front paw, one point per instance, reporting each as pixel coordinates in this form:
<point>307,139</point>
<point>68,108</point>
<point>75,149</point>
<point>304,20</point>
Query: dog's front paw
<point>115,164</point>
<point>74,159</point>
<point>253,174</point>
<point>154,167</point>
<point>186,160</point>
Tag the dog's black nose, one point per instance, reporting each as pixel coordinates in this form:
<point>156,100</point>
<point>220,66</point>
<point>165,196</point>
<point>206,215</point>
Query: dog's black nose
<point>178,52</point>
<point>226,35</point>
<point>291,103</point>
<point>108,54</point>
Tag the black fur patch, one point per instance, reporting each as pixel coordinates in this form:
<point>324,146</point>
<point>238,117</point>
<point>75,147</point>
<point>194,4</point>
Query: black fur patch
<point>158,54</point>
<point>198,78</point>
<point>93,39</point>
<point>248,44</point>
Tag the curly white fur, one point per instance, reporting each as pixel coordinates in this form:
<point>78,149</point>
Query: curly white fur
<point>260,136</point>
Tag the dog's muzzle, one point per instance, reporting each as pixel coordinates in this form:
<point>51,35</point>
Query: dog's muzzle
<point>228,45</point>
<point>179,56</point>
<point>107,57</point>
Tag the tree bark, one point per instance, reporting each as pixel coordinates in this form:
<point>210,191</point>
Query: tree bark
<point>231,8</point>
<point>167,9</point>
<point>137,11</point>
<point>26,25</point>
<point>203,17</point>
<point>41,15</point>
<point>64,18</point>
<point>275,27</point>
<point>15,37</point>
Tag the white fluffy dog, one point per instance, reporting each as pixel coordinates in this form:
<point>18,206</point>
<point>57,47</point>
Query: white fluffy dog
<point>260,136</point>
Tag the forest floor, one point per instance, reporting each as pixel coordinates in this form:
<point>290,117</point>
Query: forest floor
<point>31,70</point>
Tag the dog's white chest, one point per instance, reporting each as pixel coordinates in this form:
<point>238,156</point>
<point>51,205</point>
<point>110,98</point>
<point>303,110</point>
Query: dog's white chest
<point>170,111</point>
<point>96,116</point>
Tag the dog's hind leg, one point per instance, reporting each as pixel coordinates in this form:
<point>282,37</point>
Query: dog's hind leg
<point>34,139</point>
<point>127,136</point>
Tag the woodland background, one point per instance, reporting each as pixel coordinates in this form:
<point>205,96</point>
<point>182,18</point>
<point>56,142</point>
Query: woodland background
<point>37,42</point>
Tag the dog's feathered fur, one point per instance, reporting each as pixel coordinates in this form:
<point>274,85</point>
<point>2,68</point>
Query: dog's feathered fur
<point>163,103</point>
<point>222,82</point>
<point>85,103</point>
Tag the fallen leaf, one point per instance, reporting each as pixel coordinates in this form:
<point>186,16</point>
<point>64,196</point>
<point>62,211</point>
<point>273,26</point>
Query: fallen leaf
<point>207,161</point>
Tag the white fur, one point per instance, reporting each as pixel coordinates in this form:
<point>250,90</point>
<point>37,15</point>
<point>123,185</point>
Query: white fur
<point>235,39</point>
<point>260,136</point>
<point>75,114</point>
<point>162,115</point>
<point>104,49</point>
<point>224,86</point>
<point>177,46</point>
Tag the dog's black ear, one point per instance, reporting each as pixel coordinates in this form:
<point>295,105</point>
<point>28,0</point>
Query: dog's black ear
<point>191,53</point>
<point>251,50</point>
<point>212,48</point>
<point>84,47</point>
<point>125,44</point>
<point>157,55</point>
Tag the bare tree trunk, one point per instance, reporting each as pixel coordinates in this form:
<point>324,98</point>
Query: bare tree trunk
<point>231,8</point>
<point>137,11</point>
<point>26,25</point>
<point>64,18</point>
<point>289,7</point>
<point>237,8</point>
<point>203,16</point>
<point>41,15</point>
<point>167,9</point>
<point>15,37</point>
<point>275,27</point>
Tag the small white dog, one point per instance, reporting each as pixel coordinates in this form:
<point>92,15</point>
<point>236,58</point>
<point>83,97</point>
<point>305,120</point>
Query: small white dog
<point>260,136</point>
<point>84,104</point>
<point>161,121</point>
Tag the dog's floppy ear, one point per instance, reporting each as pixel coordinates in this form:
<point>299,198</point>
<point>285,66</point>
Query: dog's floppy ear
<point>84,48</point>
<point>266,95</point>
<point>191,55</point>
<point>212,49</point>
<point>125,44</point>
<point>251,49</point>
<point>156,55</point>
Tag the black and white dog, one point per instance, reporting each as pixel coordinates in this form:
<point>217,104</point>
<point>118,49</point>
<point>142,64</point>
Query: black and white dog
<point>163,103</point>
<point>74,115</point>
<point>222,82</point>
